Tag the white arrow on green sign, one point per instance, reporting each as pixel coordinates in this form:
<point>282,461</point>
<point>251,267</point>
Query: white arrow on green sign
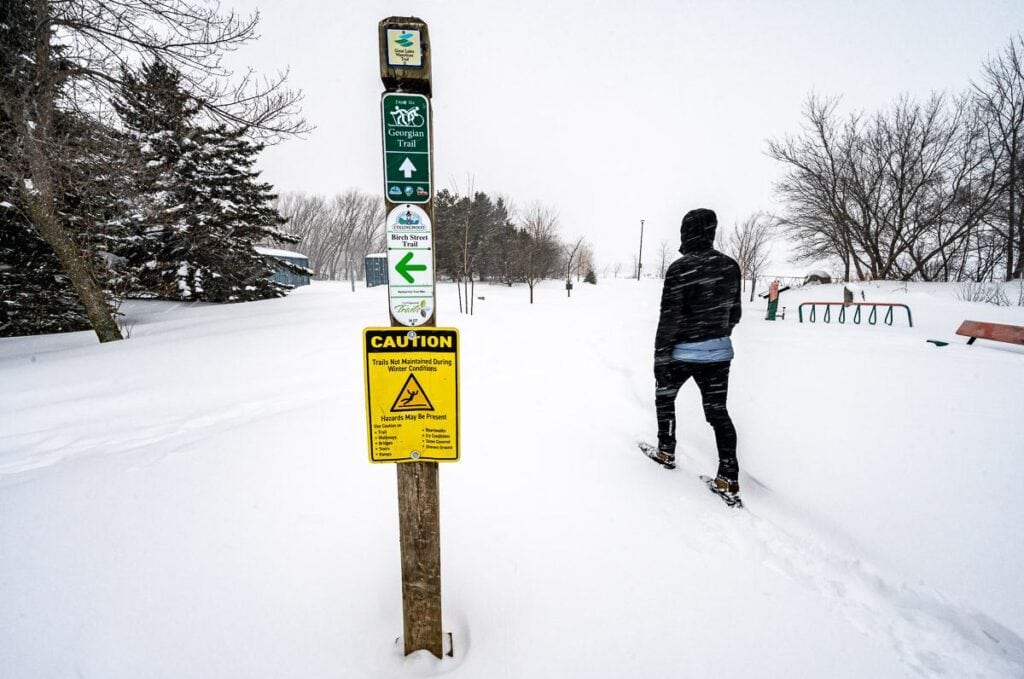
<point>407,168</point>
<point>406,129</point>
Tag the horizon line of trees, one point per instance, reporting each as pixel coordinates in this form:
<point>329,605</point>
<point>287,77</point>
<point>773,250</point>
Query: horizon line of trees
<point>479,238</point>
<point>476,238</point>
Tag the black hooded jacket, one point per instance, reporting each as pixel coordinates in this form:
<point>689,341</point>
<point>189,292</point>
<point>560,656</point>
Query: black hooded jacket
<point>701,297</point>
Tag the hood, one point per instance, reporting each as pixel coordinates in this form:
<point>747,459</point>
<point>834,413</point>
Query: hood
<point>697,231</point>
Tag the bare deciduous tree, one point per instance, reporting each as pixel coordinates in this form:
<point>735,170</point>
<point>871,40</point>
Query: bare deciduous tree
<point>894,195</point>
<point>539,251</point>
<point>338,232</point>
<point>571,252</point>
<point>749,243</point>
<point>814,187</point>
<point>584,261</point>
<point>1000,95</point>
<point>664,255</point>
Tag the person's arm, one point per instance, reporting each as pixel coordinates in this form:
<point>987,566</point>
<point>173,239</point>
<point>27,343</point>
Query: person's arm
<point>672,305</point>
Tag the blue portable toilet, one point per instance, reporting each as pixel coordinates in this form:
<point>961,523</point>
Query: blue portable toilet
<point>376,267</point>
<point>284,275</point>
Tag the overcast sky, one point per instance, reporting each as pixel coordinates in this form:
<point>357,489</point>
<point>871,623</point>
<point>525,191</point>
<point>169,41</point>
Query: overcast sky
<point>612,112</point>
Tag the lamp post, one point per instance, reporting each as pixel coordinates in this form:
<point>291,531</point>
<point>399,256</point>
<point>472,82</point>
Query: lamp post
<point>639,257</point>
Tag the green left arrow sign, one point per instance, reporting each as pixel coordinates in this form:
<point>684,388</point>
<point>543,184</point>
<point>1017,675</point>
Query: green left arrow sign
<point>404,267</point>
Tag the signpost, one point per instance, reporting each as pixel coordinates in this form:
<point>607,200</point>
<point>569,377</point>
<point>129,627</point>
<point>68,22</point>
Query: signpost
<point>412,374</point>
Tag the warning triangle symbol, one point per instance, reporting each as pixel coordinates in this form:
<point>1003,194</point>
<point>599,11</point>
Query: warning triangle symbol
<point>412,397</point>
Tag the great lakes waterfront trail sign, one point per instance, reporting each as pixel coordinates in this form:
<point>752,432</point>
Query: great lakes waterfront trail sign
<point>412,394</point>
<point>404,49</point>
<point>406,120</point>
<point>410,265</point>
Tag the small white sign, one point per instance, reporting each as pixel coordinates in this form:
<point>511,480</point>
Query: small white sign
<point>408,226</point>
<point>404,49</point>
<point>410,265</point>
<point>412,311</point>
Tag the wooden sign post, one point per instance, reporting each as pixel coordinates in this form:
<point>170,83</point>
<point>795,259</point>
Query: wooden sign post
<point>407,123</point>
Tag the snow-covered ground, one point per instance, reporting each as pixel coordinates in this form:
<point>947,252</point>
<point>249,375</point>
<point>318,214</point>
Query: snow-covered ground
<point>197,501</point>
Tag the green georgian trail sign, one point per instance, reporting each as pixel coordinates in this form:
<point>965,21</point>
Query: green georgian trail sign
<point>406,120</point>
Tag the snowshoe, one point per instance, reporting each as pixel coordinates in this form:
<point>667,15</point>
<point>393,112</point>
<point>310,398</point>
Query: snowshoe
<point>666,460</point>
<point>728,490</point>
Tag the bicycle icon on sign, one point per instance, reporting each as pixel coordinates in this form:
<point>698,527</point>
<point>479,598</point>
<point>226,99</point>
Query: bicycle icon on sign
<point>407,117</point>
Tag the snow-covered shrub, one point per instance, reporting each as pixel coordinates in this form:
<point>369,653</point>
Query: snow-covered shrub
<point>990,293</point>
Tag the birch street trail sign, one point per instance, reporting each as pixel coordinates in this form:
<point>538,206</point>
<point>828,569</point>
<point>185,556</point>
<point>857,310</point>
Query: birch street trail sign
<point>412,394</point>
<point>410,265</point>
<point>406,120</point>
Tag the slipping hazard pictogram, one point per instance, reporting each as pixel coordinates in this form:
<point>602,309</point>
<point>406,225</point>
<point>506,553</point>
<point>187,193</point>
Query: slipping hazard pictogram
<point>412,397</point>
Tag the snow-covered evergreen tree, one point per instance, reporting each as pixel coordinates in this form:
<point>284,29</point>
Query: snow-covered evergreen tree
<point>34,297</point>
<point>37,296</point>
<point>203,206</point>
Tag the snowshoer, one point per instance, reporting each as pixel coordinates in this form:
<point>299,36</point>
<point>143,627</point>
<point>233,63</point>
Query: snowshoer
<point>700,305</point>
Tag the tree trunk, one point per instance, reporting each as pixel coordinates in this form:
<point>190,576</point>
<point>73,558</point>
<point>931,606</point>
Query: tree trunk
<point>35,125</point>
<point>75,266</point>
<point>1019,273</point>
<point>859,271</point>
<point>1010,249</point>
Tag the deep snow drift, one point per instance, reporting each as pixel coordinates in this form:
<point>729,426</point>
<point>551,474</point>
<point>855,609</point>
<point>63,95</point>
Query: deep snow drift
<point>197,501</point>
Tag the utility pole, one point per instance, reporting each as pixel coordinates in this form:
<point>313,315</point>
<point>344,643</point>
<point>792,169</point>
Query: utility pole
<point>639,257</point>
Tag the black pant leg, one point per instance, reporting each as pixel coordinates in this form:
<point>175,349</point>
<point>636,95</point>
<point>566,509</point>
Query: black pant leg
<point>669,381</point>
<point>713,380</point>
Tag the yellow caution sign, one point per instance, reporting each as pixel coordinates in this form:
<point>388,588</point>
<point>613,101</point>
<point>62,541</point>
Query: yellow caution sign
<point>412,393</point>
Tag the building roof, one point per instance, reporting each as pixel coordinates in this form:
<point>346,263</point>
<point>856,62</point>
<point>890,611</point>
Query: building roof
<point>273,252</point>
